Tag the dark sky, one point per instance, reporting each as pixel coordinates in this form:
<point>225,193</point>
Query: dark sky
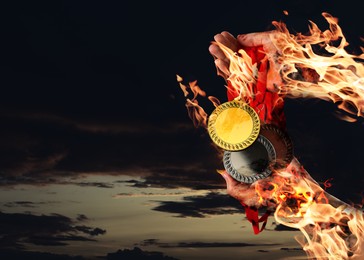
<point>114,62</point>
<point>90,86</point>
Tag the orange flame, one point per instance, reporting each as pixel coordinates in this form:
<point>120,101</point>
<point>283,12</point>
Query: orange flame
<point>299,72</point>
<point>197,114</point>
<point>335,76</point>
<point>331,229</point>
<point>195,111</point>
<point>242,73</point>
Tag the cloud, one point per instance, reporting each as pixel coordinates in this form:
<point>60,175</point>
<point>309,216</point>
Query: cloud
<point>263,251</point>
<point>81,217</point>
<point>281,227</point>
<point>291,249</point>
<point>19,254</point>
<point>19,229</point>
<point>45,148</point>
<point>90,231</point>
<point>94,184</point>
<point>98,125</point>
<point>58,240</point>
<point>27,204</point>
<point>138,254</point>
<point>219,244</point>
<point>197,244</point>
<point>150,242</point>
<point>196,177</point>
<point>201,206</point>
<point>158,194</point>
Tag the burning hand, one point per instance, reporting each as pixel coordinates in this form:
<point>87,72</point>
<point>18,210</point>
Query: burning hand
<point>222,61</point>
<point>252,60</point>
<point>247,194</point>
<point>264,68</point>
<point>261,96</point>
<point>262,41</point>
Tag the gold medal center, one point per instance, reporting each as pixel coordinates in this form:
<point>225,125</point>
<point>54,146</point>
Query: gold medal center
<point>234,125</point>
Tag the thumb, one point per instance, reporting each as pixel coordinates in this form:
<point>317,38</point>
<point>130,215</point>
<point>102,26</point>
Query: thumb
<point>229,180</point>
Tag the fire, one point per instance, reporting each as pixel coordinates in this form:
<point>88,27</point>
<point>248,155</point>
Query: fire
<point>337,76</point>
<point>291,189</point>
<point>331,229</point>
<point>315,65</point>
<point>299,72</point>
<point>195,111</point>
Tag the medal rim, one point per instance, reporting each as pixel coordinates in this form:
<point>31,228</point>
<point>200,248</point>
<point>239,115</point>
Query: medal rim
<point>228,165</point>
<point>234,146</point>
<point>284,137</point>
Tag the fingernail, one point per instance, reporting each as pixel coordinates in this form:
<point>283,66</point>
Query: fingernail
<point>220,172</point>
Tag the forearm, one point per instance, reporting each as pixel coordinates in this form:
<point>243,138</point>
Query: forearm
<point>331,228</point>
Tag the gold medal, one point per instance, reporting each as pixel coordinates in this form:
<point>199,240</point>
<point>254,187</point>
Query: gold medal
<point>233,125</point>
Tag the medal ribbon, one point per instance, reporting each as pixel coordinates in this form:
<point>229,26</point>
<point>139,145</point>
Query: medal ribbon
<point>253,217</point>
<point>269,107</point>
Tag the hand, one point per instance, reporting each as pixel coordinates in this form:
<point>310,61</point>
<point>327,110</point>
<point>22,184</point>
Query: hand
<point>265,40</point>
<point>221,61</point>
<point>247,194</point>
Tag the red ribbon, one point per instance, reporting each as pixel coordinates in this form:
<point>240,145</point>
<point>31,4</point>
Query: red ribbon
<point>269,106</point>
<point>253,216</point>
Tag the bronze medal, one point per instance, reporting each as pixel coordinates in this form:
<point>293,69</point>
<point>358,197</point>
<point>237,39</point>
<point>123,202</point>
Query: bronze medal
<point>271,151</point>
<point>281,142</point>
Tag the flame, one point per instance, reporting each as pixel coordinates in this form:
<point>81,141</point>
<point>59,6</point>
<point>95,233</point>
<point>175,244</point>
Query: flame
<point>195,111</point>
<point>242,72</point>
<point>299,72</point>
<point>327,184</point>
<point>337,76</point>
<point>331,229</point>
<point>315,65</point>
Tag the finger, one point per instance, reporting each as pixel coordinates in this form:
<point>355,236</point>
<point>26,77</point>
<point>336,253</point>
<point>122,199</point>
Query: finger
<point>221,62</point>
<point>243,192</point>
<point>217,52</point>
<point>265,39</point>
<point>219,38</point>
<point>274,79</point>
<point>230,182</point>
<point>225,175</point>
<point>235,188</point>
<point>227,40</point>
<point>230,40</point>
<point>255,39</point>
<point>223,67</point>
